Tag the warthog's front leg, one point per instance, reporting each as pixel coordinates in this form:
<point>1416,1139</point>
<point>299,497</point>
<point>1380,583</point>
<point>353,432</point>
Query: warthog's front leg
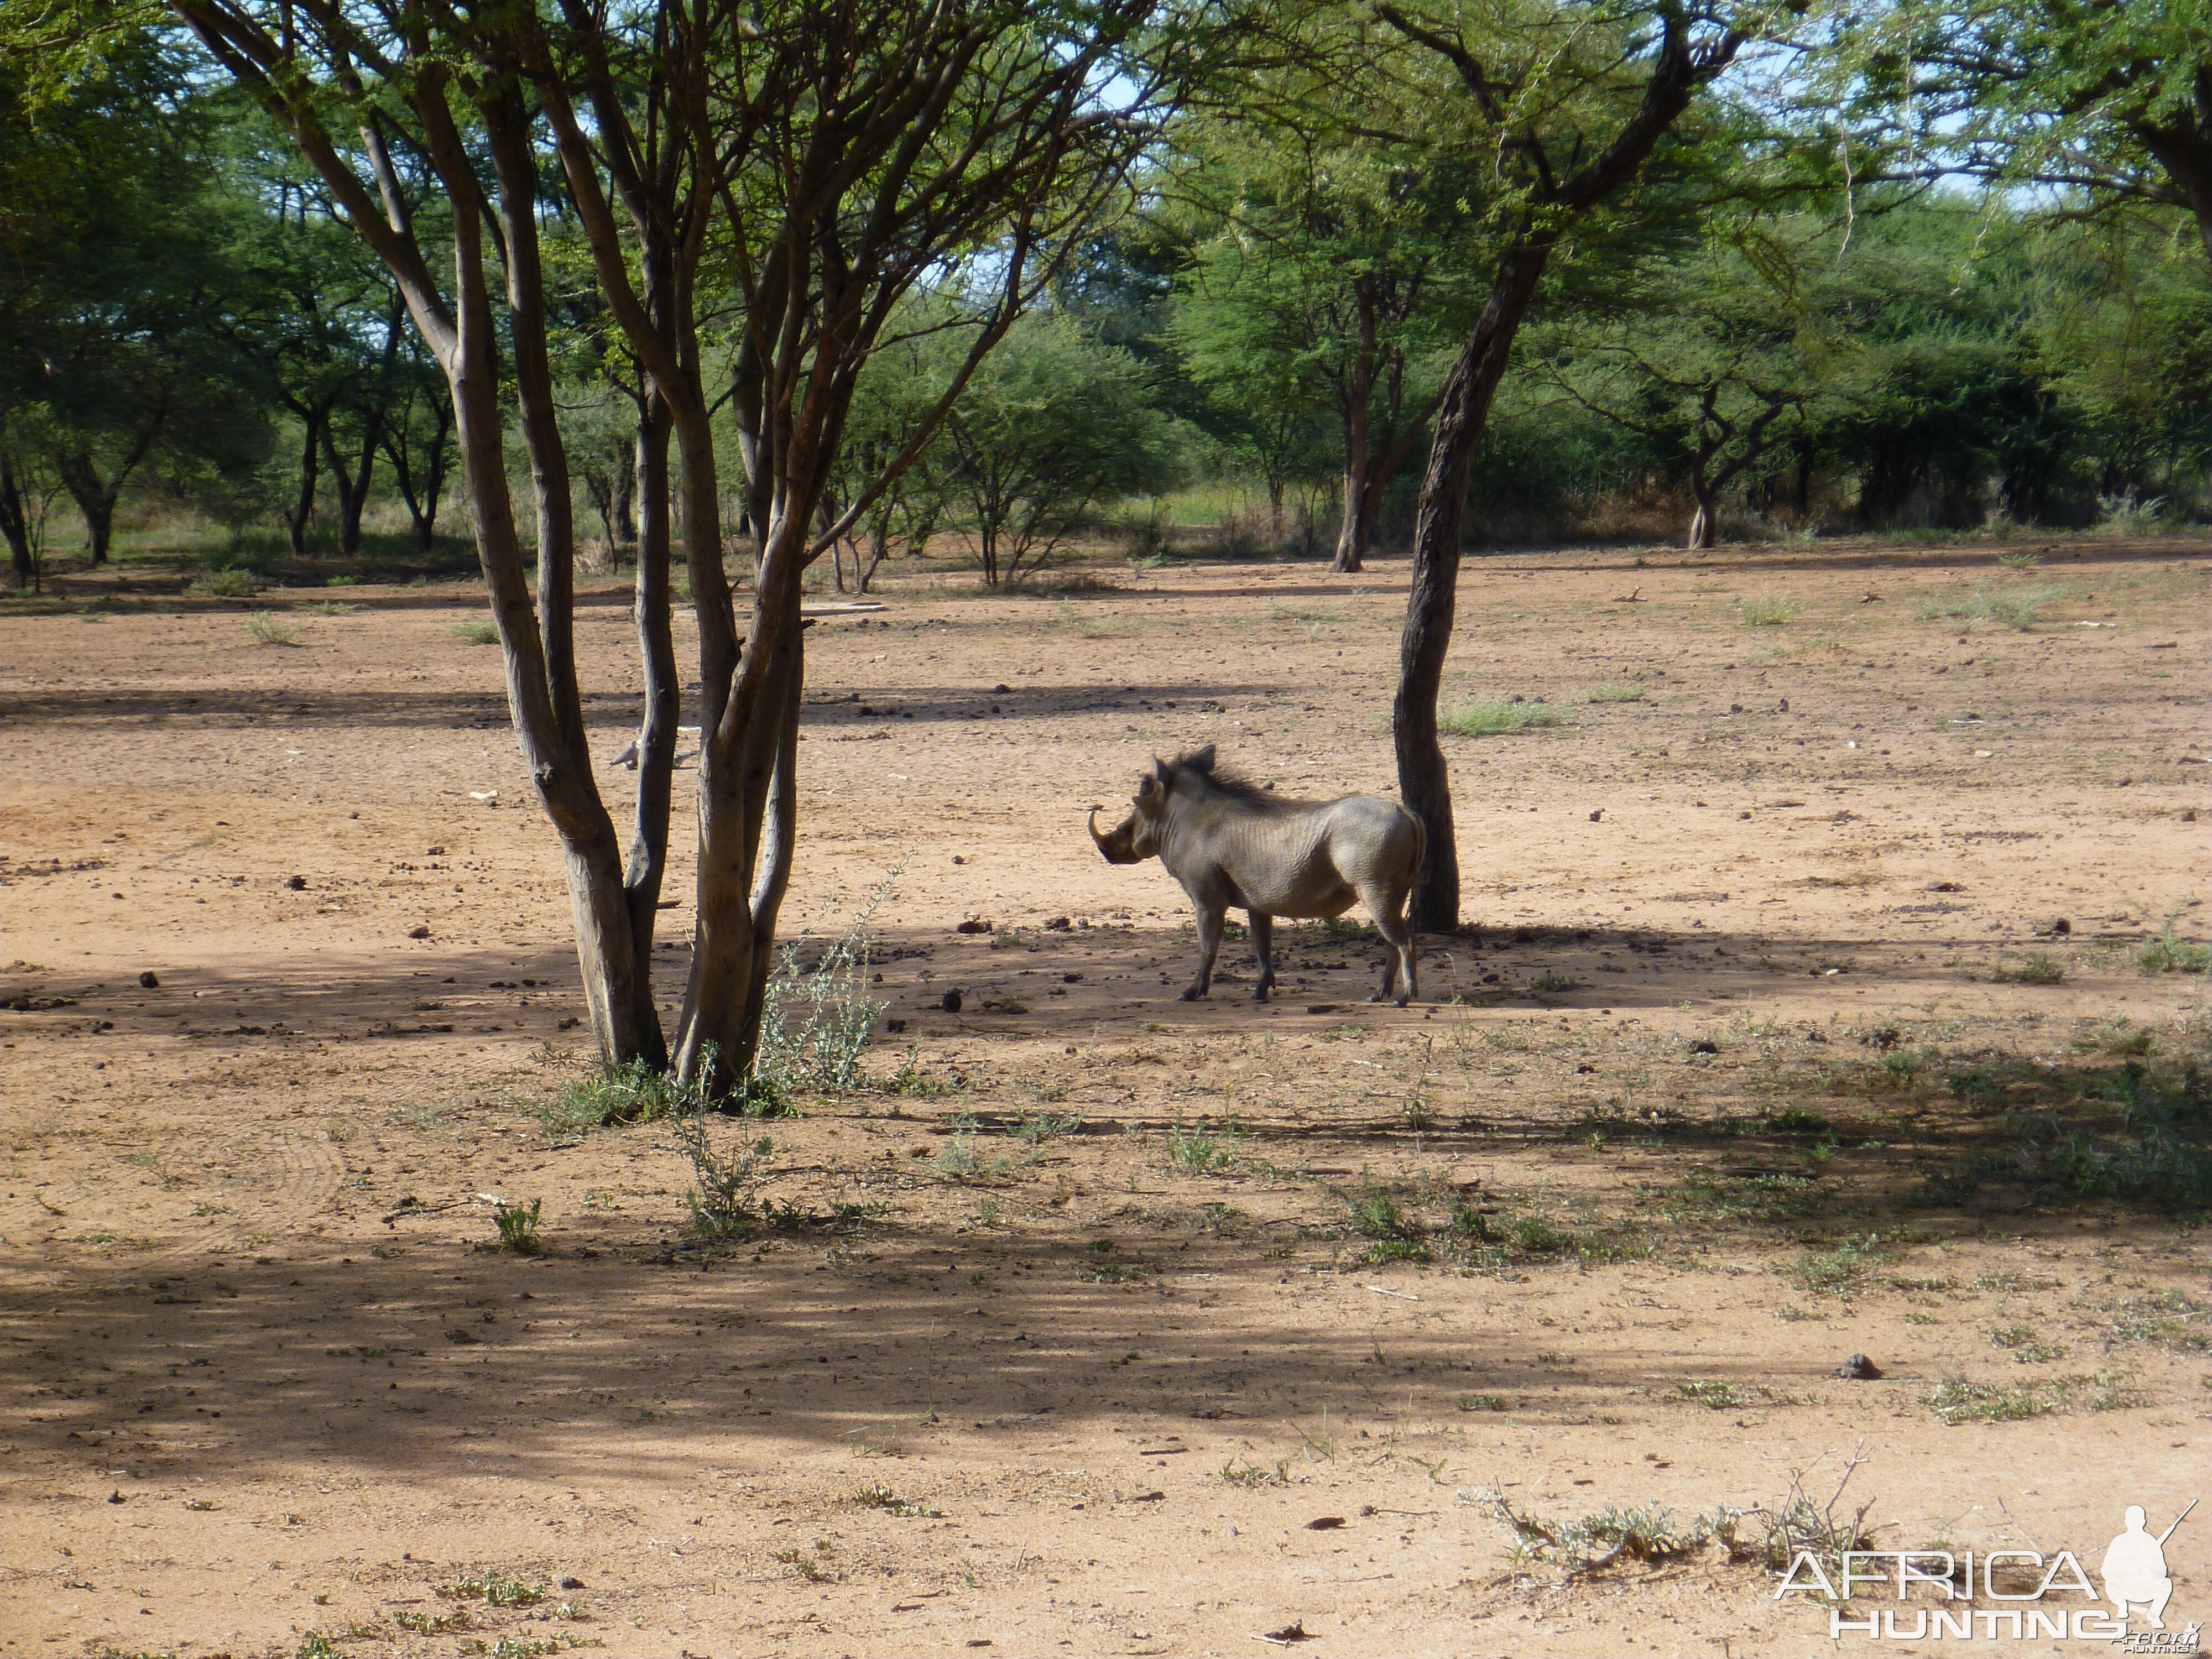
<point>1263,946</point>
<point>1210,913</point>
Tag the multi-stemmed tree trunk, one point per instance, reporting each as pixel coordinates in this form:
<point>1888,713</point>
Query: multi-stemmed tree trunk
<point>352,477</point>
<point>848,154</point>
<point>1372,458</point>
<point>418,468</point>
<point>1679,65</point>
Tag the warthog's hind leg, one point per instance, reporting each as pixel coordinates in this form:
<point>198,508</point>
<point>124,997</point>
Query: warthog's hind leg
<point>1209,946</point>
<point>1398,964</point>
<point>1263,945</point>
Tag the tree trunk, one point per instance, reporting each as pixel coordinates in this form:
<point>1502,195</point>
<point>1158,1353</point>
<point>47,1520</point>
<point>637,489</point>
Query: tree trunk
<point>622,527</point>
<point>1351,536</point>
<point>1423,783</point>
<point>1704,520</point>
<point>779,836</point>
<point>538,639</point>
<point>303,507</point>
<point>352,485</point>
<point>95,499</point>
<point>15,525</point>
<point>656,738</point>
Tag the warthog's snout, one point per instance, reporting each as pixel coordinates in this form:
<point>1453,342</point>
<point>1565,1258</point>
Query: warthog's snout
<point>1119,843</point>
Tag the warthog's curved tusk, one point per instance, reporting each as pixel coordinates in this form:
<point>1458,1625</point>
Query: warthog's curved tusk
<point>1091,824</point>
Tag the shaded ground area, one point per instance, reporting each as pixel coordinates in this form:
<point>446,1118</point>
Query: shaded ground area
<point>1804,1012</point>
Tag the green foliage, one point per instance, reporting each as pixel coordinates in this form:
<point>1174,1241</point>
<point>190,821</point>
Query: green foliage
<point>1489,717</point>
<point>494,1589</point>
<point>228,582</point>
<point>2018,608</point>
<point>518,1227</point>
<point>266,629</point>
<point>1765,612</point>
<point>2167,954</point>
<point>725,1203</point>
<point>1394,1235</point>
<point>876,1496</point>
<point>1042,1127</point>
<point>1053,425</point>
<point>1958,1400</point>
<point>477,633</point>
<point>818,1016</point>
<point>2139,1133</point>
<point>1203,1151</point>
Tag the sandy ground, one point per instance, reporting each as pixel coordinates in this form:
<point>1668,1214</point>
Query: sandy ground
<point>263,1391</point>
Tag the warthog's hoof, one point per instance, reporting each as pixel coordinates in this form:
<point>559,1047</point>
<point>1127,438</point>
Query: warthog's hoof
<point>1259,993</point>
<point>1192,995</point>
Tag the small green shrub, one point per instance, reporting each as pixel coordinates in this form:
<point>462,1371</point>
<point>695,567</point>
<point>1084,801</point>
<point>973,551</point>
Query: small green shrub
<point>1202,1150</point>
<point>2040,969</point>
<point>876,1496</point>
<point>518,1227</point>
<point>2169,955</point>
<point>1393,1235</point>
<point>1713,1395</point>
<point>1491,717</point>
<point>267,630</point>
<point>724,1204</point>
<point>477,633</point>
<point>231,582</point>
<point>910,1082</point>
<point>1043,1126</point>
<point>494,1589</point>
<point>1765,612</point>
<point>2019,608</point>
<point>1957,1399</point>
<point>1614,694</point>
<point>629,1093</point>
<point>1548,983</point>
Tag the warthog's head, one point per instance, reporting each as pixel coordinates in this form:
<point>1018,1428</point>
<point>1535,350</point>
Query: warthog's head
<point>1137,837</point>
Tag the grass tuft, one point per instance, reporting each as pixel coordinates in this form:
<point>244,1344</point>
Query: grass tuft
<point>267,630</point>
<point>1614,694</point>
<point>1958,1400</point>
<point>1203,1151</point>
<point>477,633</point>
<point>1394,1235</point>
<point>1493,717</point>
<point>517,1228</point>
<point>2167,955</point>
<point>234,582</point>
<point>2018,608</point>
<point>1767,611</point>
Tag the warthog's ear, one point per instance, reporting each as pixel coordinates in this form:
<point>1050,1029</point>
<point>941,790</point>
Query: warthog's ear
<point>1200,760</point>
<point>1148,788</point>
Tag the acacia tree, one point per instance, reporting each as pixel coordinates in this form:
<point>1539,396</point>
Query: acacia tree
<point>1053,423</point>
<point>1569,102</point>
<point>1336,268</point>
<point>2110,100</point>
<point>821,160</point>
<point>1710,357</point>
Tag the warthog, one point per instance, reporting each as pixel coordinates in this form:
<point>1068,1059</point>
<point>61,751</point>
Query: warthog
<point>1232,845</point>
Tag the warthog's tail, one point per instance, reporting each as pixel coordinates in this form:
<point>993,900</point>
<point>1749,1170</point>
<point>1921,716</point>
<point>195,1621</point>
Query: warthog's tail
<point>1420,856</point>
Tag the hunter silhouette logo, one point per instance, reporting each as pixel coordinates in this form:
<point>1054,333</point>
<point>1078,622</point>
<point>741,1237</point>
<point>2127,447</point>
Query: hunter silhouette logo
<point>2134,1567</point>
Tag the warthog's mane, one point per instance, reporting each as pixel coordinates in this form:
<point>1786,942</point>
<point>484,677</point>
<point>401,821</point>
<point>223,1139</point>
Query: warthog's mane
<point>1199,763</point>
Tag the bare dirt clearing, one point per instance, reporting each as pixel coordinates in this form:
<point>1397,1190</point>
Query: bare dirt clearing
<point>1738,1075</point>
